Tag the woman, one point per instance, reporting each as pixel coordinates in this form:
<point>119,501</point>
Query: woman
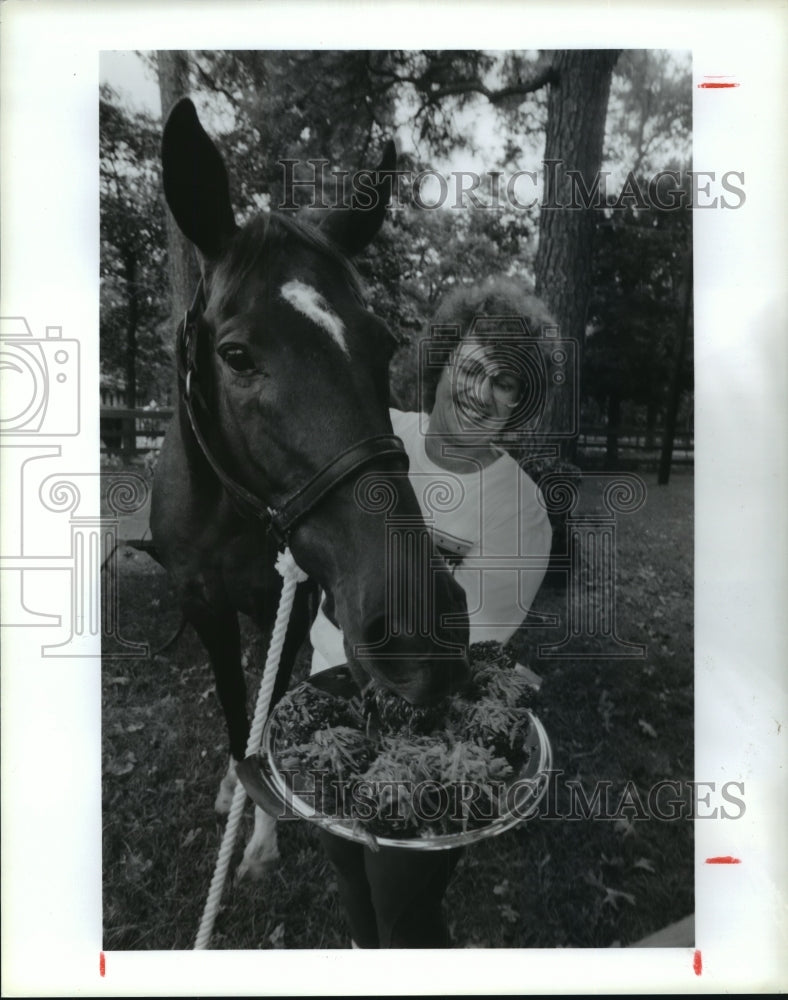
<point>476,387</point>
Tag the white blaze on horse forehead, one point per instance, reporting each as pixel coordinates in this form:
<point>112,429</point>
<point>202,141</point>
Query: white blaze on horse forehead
<point>310,303</point>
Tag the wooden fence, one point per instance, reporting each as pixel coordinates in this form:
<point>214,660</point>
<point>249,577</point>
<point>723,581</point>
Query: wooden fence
<point>150,425</point>
<point>634,441</point>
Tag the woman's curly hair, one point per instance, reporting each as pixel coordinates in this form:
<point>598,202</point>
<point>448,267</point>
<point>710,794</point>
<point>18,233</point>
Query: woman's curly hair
<point>495,297</point>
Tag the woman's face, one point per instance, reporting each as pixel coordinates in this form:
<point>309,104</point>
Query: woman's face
<point>475,395</point>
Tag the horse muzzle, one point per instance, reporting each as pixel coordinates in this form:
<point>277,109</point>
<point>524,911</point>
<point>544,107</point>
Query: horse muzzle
<point>422,669</point>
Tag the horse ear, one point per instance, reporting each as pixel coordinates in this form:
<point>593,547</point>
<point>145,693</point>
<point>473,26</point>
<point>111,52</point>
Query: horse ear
<point>354,228</point>
<point>195,181</point>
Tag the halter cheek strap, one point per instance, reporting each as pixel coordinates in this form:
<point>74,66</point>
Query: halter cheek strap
<point>280,520</point>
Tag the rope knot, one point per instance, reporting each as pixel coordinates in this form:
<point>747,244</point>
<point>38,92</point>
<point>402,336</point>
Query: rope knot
<point>288,567</point>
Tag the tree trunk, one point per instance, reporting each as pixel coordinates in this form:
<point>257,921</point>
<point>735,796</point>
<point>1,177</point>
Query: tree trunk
<point>651,424</point>
<point>184,267</point>
<point>671,416</point>
<point>613,428</point>
<point>576,113</point>
<point>129,437</point>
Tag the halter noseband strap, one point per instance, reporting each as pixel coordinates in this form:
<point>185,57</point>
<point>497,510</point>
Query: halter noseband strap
<point>282,519</point>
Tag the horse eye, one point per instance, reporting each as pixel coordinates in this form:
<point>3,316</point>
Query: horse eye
<point>237,358</point>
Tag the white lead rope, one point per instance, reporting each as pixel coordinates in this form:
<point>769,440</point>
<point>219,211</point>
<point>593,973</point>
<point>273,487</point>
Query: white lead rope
<point>292,576</point>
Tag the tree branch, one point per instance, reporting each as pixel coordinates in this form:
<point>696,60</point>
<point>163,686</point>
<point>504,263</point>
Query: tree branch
<point>209,82</point>
<point>545,73</point>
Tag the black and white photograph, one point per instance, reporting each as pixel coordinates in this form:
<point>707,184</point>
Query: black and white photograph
<point>396,547</point>
<point>463,277</point>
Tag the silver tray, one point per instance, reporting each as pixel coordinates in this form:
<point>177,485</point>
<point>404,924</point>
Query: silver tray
<point>267,787</point>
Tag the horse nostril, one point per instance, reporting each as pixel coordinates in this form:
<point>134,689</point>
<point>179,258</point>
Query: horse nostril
<point>421,669</point>
<point>388,637</point>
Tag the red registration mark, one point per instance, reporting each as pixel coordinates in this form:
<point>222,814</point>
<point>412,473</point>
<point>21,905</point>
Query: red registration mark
<point>717,83</point>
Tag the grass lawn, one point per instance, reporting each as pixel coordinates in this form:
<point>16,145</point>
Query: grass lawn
<point>551,882</point>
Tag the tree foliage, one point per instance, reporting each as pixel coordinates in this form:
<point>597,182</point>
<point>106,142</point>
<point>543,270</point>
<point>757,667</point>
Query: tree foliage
<point>636,308</point>
<point>263,107</point>
<point>650,112</point>
<point>134,293</point>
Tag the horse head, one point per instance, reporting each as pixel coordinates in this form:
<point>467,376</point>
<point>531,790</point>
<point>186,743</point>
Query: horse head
<point>290,369</point>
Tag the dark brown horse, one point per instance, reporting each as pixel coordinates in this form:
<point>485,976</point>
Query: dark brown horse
<point>283,410</point>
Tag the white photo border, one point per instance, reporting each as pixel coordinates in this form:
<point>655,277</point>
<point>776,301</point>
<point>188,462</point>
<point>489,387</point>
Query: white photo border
<point>51,817</point>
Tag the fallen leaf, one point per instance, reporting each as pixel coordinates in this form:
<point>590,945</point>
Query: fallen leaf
<point>591,878</point>
<point>136,864</point>
<point>119,766</point>
<point>645,864</point>
<point>277,936</point>
<point>605,708</point>
<point>191,836</point>
<point>612,897</point>
<point>647,728</point>
<point>624,826</point>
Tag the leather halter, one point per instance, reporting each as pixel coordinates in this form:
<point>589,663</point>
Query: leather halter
<point>280,520</point>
